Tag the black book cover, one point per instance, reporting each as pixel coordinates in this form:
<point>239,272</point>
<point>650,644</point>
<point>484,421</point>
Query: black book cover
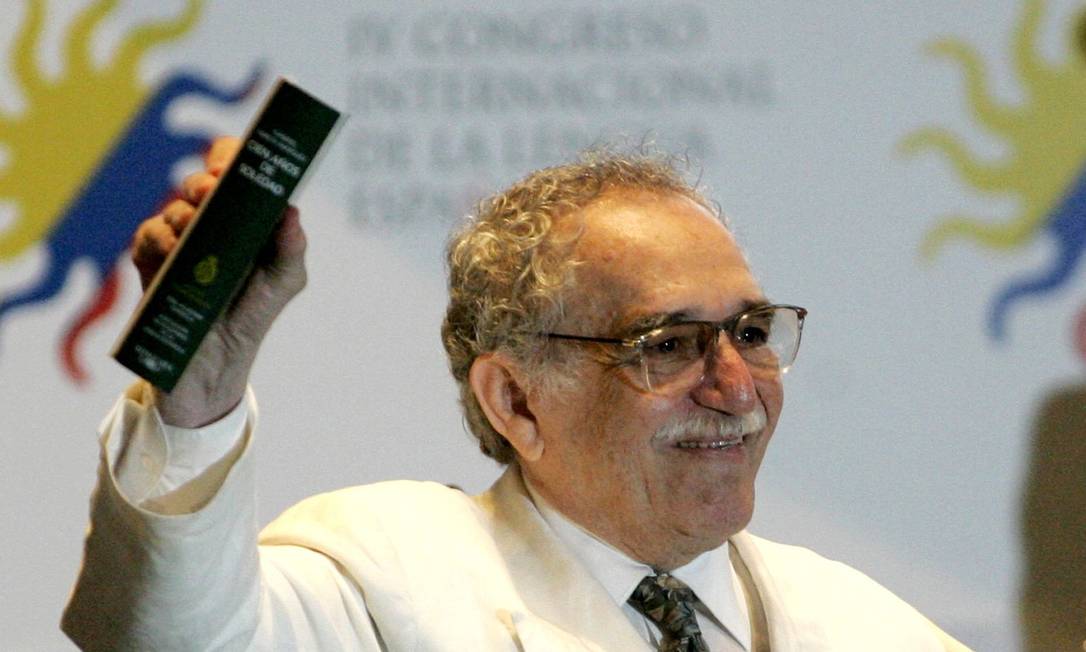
<point>217,251</point>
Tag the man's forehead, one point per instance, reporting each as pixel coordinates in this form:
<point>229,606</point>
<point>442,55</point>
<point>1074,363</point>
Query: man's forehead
<point>643,254</point>
<point>653,232</point>
<point>644,218</point>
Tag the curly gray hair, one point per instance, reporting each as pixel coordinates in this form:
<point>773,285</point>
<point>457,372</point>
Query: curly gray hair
<point>510,269</point>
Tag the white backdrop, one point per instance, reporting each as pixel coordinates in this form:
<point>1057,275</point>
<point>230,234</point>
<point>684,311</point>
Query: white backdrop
<point>907,430</point>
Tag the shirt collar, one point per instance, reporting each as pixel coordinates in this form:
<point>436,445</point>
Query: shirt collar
<point>710,574</point>
<point>715,582</point>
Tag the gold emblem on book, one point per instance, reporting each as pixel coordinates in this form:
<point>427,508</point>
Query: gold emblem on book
<point>206,270</point>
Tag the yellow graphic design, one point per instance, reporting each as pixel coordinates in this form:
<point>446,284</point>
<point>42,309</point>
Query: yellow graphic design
<point>69,122</point>
<point>206,270</point>
<point>1045,134</point>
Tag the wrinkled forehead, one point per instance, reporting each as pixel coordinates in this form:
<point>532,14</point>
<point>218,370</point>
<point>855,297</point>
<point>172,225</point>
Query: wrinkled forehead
<point>641,252</point>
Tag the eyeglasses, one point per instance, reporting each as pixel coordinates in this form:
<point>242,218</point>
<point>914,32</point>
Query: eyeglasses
<point>672,359</point>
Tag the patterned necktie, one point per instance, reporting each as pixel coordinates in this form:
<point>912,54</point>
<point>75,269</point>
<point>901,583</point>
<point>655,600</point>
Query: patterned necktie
<point>669,603</point>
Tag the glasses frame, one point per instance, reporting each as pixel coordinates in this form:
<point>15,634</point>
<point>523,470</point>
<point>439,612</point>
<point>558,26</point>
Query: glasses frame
<point>636,342</point>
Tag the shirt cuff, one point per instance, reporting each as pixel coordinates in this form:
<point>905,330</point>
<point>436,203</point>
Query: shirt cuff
<point>168,469</point>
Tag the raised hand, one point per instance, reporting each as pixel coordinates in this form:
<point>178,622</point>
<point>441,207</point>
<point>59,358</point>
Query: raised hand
<point>215,379</point>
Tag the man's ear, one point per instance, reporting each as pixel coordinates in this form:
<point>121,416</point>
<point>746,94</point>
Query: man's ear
<point>494,379</point>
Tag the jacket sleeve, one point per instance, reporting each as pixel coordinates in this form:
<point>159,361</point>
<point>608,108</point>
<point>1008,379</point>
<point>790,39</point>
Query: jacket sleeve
<point>171,579</point>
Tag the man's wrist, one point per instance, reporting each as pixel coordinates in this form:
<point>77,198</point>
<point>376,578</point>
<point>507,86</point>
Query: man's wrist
<point>181,411</point>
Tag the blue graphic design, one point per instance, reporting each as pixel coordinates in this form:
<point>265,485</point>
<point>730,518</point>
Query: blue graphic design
<point>130,184</point>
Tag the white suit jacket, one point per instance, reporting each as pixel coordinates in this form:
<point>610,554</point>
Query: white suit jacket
<point>414,566</point>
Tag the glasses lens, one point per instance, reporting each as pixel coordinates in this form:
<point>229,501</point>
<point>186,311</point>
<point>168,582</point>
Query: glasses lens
<point>674,355</point>
<point>768,337</point>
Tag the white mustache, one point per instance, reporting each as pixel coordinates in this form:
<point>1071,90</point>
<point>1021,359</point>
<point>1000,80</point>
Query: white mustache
<point>708,426</point>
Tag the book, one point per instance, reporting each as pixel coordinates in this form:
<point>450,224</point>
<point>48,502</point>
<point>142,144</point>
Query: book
<point>217,251</point>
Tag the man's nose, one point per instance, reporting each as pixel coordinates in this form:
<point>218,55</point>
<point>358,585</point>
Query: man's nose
<point>728,385</point>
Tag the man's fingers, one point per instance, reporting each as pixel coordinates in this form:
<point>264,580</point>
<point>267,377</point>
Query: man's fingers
<point>153,242</point>
<point>195,187</point>
<point>178,214</point>
<point>221,153</point>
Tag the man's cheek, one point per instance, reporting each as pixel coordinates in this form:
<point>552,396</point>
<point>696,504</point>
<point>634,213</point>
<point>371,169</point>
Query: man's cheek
<point>772,396</point>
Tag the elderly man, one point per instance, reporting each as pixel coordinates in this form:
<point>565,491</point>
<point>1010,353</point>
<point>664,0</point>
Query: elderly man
<point>612,348</point>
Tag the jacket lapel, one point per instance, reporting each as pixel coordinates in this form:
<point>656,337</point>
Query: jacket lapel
<point>553,584</point>
<point>783,633</point>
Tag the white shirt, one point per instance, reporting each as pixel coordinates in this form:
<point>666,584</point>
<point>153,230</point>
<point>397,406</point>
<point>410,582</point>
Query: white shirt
<point>722,614</point>
<point>172,470</point>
